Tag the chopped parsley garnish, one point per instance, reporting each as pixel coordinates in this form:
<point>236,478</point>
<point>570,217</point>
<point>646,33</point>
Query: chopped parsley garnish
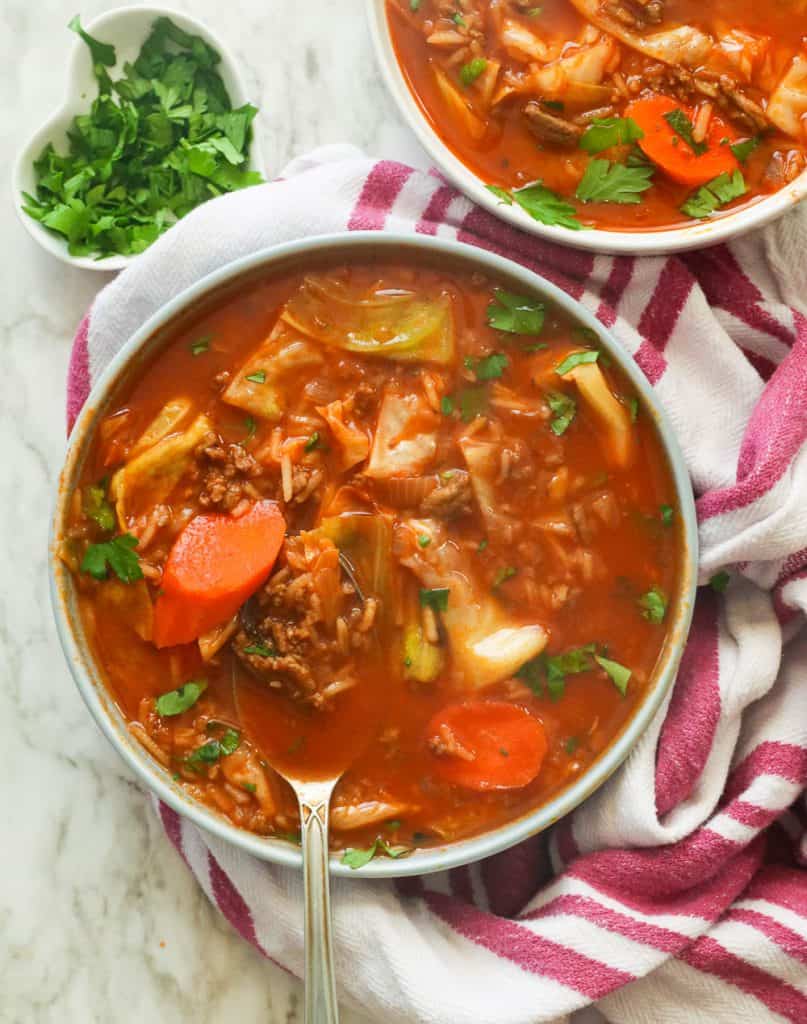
<point>515,314</point>
<point>200,345</point>
<point>358,858</point>
<point>666,512</point>
<point>250,787</point>
<point>489,368</point>
<point>504,574</point>
<point>480,547</point>
<point>742,150</point>
<point>414,5</point>
<point>576,359</point>
<point>682,126</point>
<point>551,669</point>
<point>544,205</point>
<point>501,194</point>
<point>571,745</point>
<point>564,409</point>
<point>259,377</point>
<point>251,427</point>
<point>262,650</point>
<point>312,442</point>
<point>176,701</point>
<point>633,408</point>
<point>714,194</point>
<point>606,182</point>
<point>458,19</point>
<point>436,599</point>
<point>97,507</point>
<point>535,12</point>
<point>154,144</point>
<point>618,674</point>
<point>118,555</point>
<point>654,605</point>
<point>604,132</point>
<point>473,402</point>
<point>719,582</point>
<point>424,541</point>
<point>538,346</point>
<point>446,405</point>
<point>472,70</point>
<point>214,750</point>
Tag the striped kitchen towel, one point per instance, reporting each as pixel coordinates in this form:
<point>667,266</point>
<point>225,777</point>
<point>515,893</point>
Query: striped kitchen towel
<point>679,891</point>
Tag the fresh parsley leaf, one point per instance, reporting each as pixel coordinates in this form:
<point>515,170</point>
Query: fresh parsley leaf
<point>535,12</point>
<point>200,345</point>
<point>262,650</point>
<point>230,741</point>
<point>666,512</point>
<point>742,150</point>
<point>473,402</point>
<point>214,750</point>
<point>714,194</point>
<point>480,547</point>
<point>97,507</point>
<point>489,368</point>
<point>538,346</point>
<point>654,605</point>
<point>446,405</point>
<point>458,19</point>
<point>436,599</point>
<point>501,194</point>
<point>414,5</point>
<point>504,574</point>
<point>552,670</point>
<point>682,126</point>
<point>423,540</point>
<point>564,409</point>
<point>605,132</point>
<point>576,359</point>
<point>545,206</point>
<point>102,53</point>
<point>313,442</point>
<point>250,787</point>
<point>618,674</point>
<point>250,427</point>
<point>571,745</point>
<point>118,555</point>
<point>606,182</point>
<point>259,377</point>
<point>719,582</point>
<point>515,314</point>
<point>174,702</point>
<point>472,70</point>
<point>633,408</point>
<point>355,859</point>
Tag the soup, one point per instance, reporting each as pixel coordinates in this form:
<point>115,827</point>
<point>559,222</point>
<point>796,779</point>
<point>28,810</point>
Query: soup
<point>390,518</point>
<point>614,114</point>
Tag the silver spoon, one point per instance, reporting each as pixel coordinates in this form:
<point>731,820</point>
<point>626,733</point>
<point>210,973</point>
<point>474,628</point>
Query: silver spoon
<point>314,798</point>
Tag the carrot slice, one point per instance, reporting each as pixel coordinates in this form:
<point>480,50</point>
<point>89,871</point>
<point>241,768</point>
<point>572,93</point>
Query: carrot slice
<point>215,564</point>
<point>672,154</point>
<point>487,745</point>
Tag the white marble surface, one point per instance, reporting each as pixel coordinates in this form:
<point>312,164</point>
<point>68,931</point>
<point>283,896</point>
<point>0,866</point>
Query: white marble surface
<point>99,919</point>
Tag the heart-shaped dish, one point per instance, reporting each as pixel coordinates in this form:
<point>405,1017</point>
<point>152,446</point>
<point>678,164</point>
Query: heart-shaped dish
<point>126,28</point>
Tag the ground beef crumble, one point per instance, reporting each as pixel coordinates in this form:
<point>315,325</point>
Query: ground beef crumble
<point>226,471</point>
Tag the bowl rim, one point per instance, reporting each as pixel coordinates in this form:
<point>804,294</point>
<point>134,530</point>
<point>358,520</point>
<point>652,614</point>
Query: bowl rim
<point>39,137</point>
<point>663,241</point>
<point>100,701</point>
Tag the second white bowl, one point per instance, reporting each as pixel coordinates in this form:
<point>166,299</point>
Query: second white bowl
<point>126,28</point>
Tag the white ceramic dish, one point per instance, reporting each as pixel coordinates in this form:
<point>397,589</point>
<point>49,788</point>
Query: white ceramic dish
<point>146,342</point>
<point>638,243</point>
<point>126,28</point>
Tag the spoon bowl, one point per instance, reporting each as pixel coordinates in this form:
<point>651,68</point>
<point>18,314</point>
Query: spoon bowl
<point>126,28</point>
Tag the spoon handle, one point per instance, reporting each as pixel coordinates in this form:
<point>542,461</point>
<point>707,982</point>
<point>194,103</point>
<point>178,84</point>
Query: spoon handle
<point>320,982</point>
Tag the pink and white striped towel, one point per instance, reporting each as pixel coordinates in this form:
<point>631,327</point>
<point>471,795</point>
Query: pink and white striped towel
<point>679,891</point>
